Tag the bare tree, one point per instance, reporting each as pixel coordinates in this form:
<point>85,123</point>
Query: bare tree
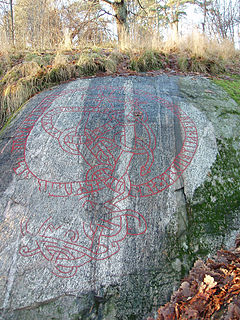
<point>12,23</point>
<point>84,21</point>
<point>204,5</point>
<point>7,8</point>
<point>221,17</point>
<point>38,24</point>
<point>171,11</point>
<point>121,14</point>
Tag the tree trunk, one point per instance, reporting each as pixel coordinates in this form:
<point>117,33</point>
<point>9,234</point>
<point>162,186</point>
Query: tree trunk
<point>174,29</point>
<point>121,15</point>
<point>12,23</point>
<point>204,15</point>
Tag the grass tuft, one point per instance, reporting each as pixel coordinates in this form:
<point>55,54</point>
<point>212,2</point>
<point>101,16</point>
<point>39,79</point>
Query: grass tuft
<point>20,71</point>
<point>61,73</point>
<point>92,62</point>
<point>18,85</point>
<point>40,59</point>
<point>148,60</point>
<point>27,78</point>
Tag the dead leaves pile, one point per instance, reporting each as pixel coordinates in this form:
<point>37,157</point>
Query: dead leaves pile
<point>211,291</point>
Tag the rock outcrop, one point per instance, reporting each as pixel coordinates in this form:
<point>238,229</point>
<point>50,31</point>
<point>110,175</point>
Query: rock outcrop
<point>110,189</point>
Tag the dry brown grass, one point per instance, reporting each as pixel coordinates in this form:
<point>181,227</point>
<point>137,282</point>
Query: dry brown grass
<point>26,78</point>
<point>60,59</point>
<point>22,74</point>
<point>198,45</point>
<point>17,86</point>
<point>193,45</point>
<point>19,71</point>
<point>194,52</point>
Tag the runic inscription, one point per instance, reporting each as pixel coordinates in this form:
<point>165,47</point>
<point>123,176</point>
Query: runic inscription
<point>113,146</point>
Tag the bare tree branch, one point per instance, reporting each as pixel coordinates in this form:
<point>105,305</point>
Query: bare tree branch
<point>140,5</point>
<point>110,14</point>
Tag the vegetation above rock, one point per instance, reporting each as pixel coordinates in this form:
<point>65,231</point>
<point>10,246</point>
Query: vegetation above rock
<point>23,74</point>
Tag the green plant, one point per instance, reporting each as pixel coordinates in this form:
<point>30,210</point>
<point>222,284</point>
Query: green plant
<point>183,63</point>
<point>40,59</point>
<point>148,60</point>
<point>61,73</point>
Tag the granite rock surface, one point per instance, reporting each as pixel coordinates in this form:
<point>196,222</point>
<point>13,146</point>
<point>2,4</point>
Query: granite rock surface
<point>102,182</point>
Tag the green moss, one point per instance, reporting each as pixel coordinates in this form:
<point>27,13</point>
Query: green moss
<point>214,205</point>
<point>211,212</point>
<point>232,87</point>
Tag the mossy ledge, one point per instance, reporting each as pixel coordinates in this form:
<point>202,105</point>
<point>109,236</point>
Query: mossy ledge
<point>213,212</point>
<point>212,217</point>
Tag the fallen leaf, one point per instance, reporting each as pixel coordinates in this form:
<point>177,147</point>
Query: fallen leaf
<point>211,283</point>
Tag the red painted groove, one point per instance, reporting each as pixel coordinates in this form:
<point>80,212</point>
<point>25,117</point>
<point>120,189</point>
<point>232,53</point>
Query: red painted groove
<point>66,255</point>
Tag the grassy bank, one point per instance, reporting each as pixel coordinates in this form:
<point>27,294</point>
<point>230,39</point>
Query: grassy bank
<point>232,87</point>
<point>23,74</point>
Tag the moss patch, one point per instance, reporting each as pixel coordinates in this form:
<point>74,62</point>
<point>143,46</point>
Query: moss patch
<point>213,212</point>
<point>215,205</point>
<point>212,209</point>
<point>232,87</point>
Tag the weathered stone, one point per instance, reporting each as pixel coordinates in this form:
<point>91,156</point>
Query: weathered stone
<point>98,180</point>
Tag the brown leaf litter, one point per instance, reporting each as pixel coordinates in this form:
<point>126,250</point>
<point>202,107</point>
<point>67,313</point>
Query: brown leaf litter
<point>210,291</point>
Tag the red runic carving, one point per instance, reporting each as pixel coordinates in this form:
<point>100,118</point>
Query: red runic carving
<point>103,148</point>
